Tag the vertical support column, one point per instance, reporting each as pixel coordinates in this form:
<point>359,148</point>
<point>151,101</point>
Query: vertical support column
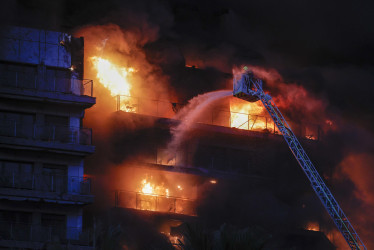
<point>35,223</point>
<point>74,127</point>
<point>41,82</point>
<point>38,125</point>
<point>74,224</point>
<point>38,173</point>
<point>75,177</point>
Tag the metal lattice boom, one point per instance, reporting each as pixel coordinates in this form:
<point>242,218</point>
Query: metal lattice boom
<point>250,88</point>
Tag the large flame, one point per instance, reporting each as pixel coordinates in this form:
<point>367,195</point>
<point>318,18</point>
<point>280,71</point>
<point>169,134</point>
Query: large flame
<point>157,196</point>
<point>247,115</point>
<point>150,188</point>
<point>116,79</point>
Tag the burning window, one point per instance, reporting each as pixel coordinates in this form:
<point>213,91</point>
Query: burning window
<point>157,191</point>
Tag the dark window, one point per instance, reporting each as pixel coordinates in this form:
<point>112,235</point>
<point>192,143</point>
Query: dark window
<point>58,80</point>
<point>240,160</point>
<point>54,178</point>
<point>16,124</point>
<point>15,225</point>
<point>211,157</point>
<point>54,225</point>
<point>16,174</point>
<point>15,216</point>
<point>56,120</point>
<point>20,76</point>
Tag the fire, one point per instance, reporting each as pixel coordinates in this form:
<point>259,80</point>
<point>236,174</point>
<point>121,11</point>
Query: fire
<point>116,79</point>
<point>312,226</point>
<point>247,115</point>
<point>147,187</point>
<point>158,196</point>
<point>153,189</point>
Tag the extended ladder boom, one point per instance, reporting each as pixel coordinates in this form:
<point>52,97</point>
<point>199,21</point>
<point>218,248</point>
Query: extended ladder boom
<point>250,88</point>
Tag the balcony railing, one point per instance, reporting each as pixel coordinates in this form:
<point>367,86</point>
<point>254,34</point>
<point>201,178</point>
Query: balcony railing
<point>50,133</point>
<point>30,80</point>
<point>40,233</point>
<point>47,183</point>
<point>223,118</point>
<point>158,203</point>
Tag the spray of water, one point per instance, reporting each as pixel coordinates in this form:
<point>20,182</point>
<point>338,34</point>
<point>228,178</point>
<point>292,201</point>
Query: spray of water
<point>188,116</point>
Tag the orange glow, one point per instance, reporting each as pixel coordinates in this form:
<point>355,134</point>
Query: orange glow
<point>116,79</point>
<point>247,115</point>
<point>154,195</point>
<point>191,66</point>
<point>174,240</point>
<point>312,226</point>
<point>213,181</point>
<point>153,189</point>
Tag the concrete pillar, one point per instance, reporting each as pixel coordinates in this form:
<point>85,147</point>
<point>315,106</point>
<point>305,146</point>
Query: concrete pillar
<point>36,218</point>
<point>74,224</point>
<point>75,177</point>
<point>74,121</point>
<point>41,76</point>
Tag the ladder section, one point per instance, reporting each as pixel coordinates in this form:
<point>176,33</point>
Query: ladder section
<point>317,183</point>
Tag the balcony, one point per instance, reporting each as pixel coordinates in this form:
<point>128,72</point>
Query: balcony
<point>52,188</point>
<point>156,203</point>
<point>58,136</point>
<point>10,231</point>
<point>217,117</point>
<point>47,183</point>
<point>30,84</point>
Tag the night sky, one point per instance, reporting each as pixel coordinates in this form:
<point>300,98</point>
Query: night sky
<point>327,47</point>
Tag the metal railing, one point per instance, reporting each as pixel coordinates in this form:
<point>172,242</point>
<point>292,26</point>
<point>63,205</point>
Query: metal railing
<point>47,183</point>
<point>151,202</point>
<point>31,80</point>
<point>225,118</point>
<point>147,106</point>
<point>50,133</point>
<point>40,233</point>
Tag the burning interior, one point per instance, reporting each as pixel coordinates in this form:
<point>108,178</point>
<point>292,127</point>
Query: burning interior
<point>234,114</point>
<point>158,191</point>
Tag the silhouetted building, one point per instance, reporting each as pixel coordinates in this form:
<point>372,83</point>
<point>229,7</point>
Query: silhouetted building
<point>42,141</point>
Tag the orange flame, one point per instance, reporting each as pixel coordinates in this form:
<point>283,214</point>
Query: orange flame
<point>247,115</point>
<point>163,198</point>
<point>116,79</point>
<point>153,189</point>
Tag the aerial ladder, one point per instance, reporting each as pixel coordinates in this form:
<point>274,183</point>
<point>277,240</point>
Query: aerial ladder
<point>248,87</point>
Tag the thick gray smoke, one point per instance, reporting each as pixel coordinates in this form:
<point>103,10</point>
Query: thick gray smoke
<point>190,113</point>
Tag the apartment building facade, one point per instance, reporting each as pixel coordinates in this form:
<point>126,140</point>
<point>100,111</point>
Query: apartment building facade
<point>42,140</point>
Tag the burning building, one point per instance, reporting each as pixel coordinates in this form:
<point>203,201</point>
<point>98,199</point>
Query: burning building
<point>148,58</point>
<point>229,151</point>
<point>43,143</point>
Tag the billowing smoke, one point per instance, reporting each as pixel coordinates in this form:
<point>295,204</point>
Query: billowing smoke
<point>293,99</point>
<point>357,169</point>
